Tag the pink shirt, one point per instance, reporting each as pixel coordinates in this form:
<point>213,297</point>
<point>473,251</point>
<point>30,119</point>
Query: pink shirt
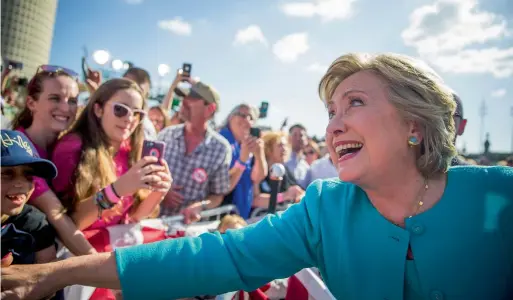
<point>66,156</point>
<point>40,185</point>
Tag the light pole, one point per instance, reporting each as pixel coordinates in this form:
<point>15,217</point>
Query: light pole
<point>101,58</point>
<point>482,115</point>
<point>163,70</point>
<point>511,114</point>
<point>117,64</point>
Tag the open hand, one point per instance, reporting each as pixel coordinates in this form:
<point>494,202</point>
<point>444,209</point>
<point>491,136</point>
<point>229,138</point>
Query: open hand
<point>192,213</point>
<point>93,80</point>
<point>27,282</point>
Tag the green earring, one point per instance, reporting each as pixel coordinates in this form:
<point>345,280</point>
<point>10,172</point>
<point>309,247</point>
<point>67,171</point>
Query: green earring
<point>413,141</point>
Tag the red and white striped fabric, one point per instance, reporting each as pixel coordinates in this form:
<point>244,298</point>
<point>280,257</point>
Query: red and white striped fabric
<point>304,285</point>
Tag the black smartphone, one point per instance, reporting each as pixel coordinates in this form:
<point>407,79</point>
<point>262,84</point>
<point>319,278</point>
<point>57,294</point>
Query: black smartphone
<point>186,69</point>
<point>264,107</point>
<point>153,148</point>
<point>255,132</point>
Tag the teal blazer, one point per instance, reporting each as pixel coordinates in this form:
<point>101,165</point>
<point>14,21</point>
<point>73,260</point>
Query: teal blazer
<point>463,247</point>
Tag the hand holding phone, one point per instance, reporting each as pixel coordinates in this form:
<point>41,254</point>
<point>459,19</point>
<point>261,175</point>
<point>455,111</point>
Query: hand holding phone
<point>186,70</point>
<point>142,174</point>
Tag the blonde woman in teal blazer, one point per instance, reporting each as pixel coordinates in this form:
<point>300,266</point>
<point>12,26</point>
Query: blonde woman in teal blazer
<point>397,224</point>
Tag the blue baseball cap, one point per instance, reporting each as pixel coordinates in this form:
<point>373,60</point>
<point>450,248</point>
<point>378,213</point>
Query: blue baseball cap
<point>18,150</point>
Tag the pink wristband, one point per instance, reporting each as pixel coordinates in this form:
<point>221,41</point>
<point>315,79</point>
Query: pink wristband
<point>240,166</point>
<point>280,198</point>
<point>111,196</point>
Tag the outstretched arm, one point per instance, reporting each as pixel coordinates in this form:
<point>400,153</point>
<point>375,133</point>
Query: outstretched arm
<point>276,247</point>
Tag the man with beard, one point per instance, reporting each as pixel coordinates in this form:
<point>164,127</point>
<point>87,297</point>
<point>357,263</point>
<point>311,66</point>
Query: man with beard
<point>198,157</point>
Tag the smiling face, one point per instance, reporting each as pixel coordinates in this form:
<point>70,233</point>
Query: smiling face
<point>17,186</point>
<point>57,104</point>
<point>157,118</point>
<point>366,136</point>
<point>121,114</point>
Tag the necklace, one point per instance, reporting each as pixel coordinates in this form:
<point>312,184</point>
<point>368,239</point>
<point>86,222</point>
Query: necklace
<point>419,203</point>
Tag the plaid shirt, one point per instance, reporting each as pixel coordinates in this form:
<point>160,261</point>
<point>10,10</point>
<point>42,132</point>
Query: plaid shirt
<point>201,173</point>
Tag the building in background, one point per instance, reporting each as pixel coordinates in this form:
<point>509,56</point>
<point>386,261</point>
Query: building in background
<point>27,32</point>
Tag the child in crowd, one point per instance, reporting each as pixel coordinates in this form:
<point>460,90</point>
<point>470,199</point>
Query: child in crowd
<point>231,222</point>
<point>27,237</point>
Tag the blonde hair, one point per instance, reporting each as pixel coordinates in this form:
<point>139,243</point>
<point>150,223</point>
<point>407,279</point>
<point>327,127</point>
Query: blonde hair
<point>167,120</point>
<point>270,139</point>
<point>96,168</point>
<point>231,221</point>
<point>417,92</point>
<point>312,144</point>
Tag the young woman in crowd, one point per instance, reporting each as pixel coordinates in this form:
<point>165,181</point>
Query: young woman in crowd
<point>277,151</point>
<point>248,164</point>
<point>312,152</point>
<point>100,159</point>
<point>50,109</point>
<point>159,118</point>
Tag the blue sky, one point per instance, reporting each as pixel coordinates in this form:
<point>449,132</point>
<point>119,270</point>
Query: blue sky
<point>276,50</point>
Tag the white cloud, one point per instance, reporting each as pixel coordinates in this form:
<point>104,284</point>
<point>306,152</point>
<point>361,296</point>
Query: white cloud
<point>327,10</point>
<point>291,46</point>
<point>177,26</point>
<point>495,61</point>
<point>455,35</point>
<point>317,68</point>
<point>499,93</point>
<point>134,1</point>
<point>250,34</point>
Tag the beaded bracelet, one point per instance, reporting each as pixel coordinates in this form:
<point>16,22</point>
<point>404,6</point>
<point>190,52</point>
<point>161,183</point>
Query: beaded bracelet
<point>102,203</point>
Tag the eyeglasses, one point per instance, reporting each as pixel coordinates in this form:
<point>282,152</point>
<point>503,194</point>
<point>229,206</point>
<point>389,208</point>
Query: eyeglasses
<point>121,110</point>
<point>243,115</point>
<point>310,152</point>
<point>57,69</point>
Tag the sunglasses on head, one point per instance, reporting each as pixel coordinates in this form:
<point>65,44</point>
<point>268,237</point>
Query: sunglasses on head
<point>57,69</point>
<point>121,110</point>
